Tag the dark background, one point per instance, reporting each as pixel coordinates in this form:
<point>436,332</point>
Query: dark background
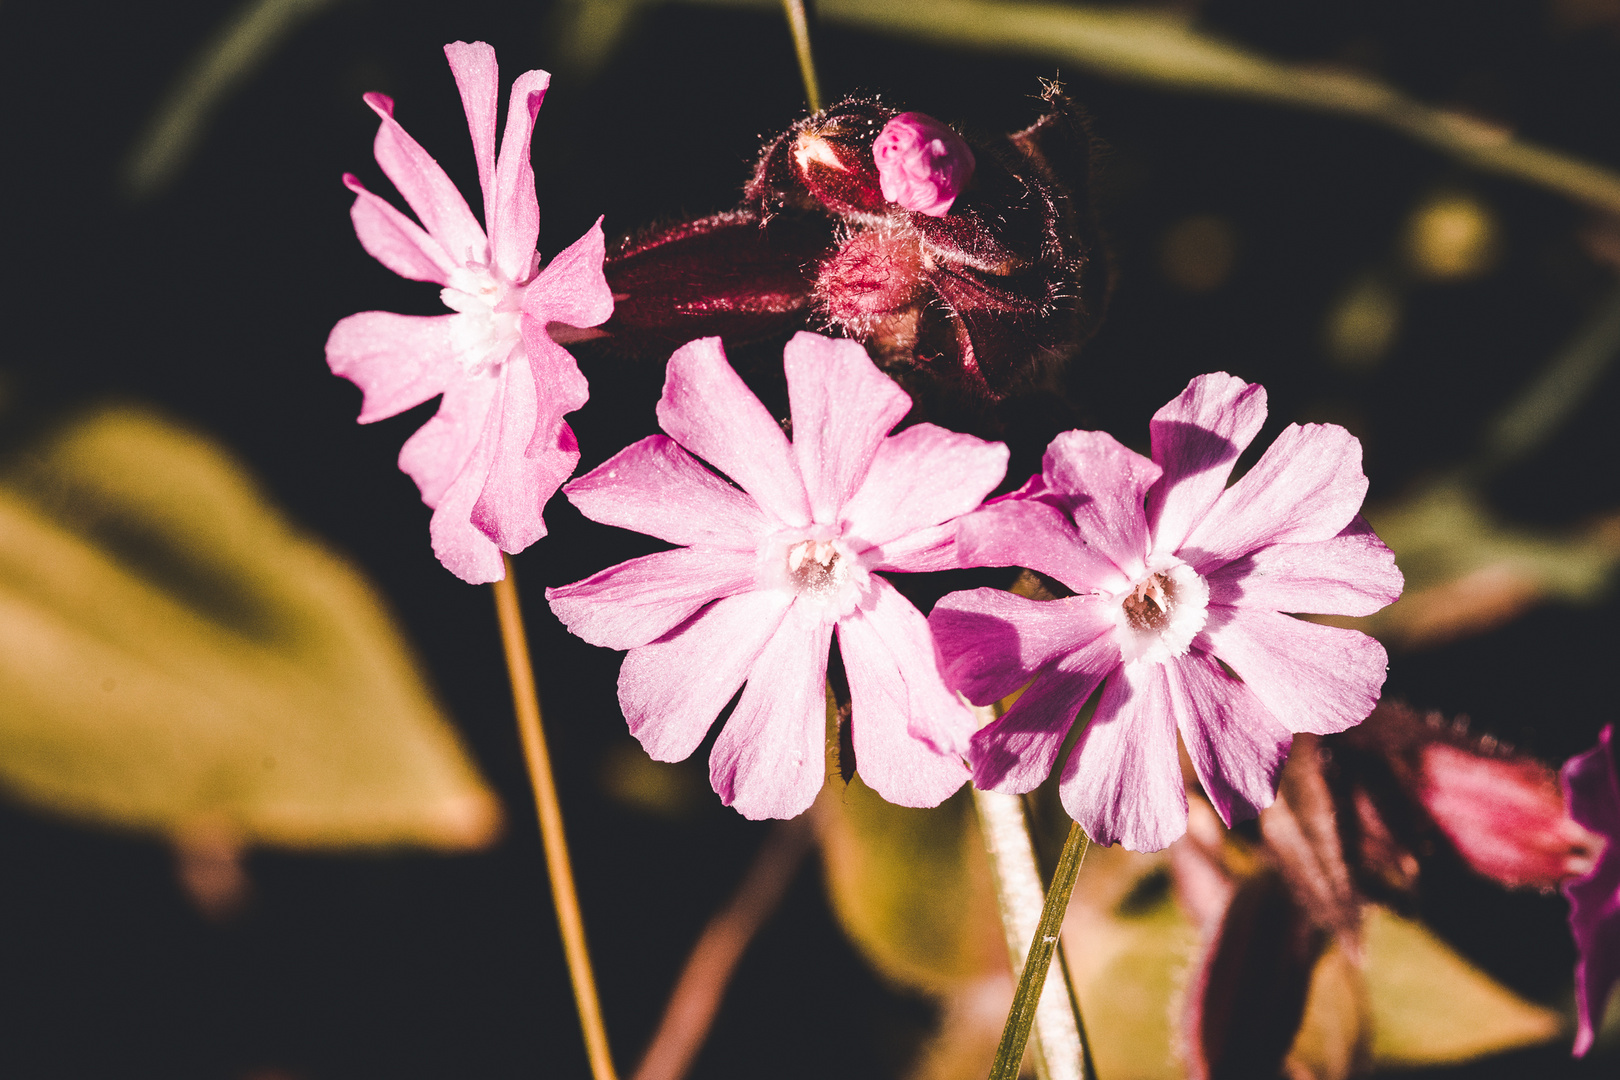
<point>213,299</point>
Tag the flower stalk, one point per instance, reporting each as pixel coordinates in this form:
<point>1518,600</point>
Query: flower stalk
<point>1045,1004</point>
<point>799,23</point>
<point>526,701</point>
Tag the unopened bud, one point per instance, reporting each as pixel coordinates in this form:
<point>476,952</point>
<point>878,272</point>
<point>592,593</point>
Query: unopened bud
<point>922,164</point>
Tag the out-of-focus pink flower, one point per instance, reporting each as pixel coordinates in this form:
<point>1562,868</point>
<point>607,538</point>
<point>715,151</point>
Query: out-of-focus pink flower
<point>922,164</point>
<point>767,568</point>
<point>1593,789</point>
<point>498,446</point>
<point>1181,584</point>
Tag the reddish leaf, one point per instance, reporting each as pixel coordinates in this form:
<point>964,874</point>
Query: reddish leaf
<point>1301,830</point>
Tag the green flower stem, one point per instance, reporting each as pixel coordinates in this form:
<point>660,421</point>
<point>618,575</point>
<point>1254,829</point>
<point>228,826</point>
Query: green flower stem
<point>526,701</point>
<point>799,23</point>
<point>1032,918</point>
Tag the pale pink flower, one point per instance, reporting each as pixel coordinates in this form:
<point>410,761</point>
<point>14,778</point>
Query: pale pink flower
<point>498,447</point>
<point>1592,786</point>
<point>922,164</point>
<point>769,565</point>
<point>1180,587</point>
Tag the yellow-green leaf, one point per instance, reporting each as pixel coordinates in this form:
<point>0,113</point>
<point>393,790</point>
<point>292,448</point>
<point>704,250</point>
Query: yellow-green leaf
<point>1430,1006</point>
<point>175,655</point>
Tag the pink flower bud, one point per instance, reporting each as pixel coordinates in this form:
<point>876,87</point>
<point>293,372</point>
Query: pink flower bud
<point>922,164</point>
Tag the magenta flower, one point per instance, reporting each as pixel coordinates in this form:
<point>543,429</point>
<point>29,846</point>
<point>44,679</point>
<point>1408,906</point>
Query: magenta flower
<point>1180,587</point>
<point>922,164</point>
<point>1592,786</point>
<point>498,446</point>
<point>767,568</point>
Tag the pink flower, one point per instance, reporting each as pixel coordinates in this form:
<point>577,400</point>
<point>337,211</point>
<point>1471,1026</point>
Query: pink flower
<point>767,568</point>
<point>1593,789</point>
<point>1180,586</point>
<point>498,447</point>
<point>922,164</point>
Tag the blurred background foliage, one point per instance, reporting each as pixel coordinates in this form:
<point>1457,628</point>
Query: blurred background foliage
<point>1398,217</point>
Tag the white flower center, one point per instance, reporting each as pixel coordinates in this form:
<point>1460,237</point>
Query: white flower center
<point>1157,617</point>
<point>819,568</point>
<point>484,330</point>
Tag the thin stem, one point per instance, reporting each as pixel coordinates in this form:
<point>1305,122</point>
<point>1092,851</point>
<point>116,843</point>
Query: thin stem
<point>799,23</point>
<point>1037,976</point>
<point>527,703</point>
<point>697,994</point>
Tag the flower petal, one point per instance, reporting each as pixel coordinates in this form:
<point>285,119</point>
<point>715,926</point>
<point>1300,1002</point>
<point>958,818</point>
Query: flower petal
<point>435,456</point>
<point>1016,752</point>
<point>394,239</point>
<point>909,730</point>
<point>1306,487</point>
<point>1310,677</point>
<point>570,288</point>
<point>437,203</point>
<point>534,449</point>
<point>992,642</point>
<point>461,546</point>
<point>1197,439</point>
<point>514,216</point>
<point>1593,791</point>
<point>628,605</point>
<point>1237,747</point>
<point>842,408</point>
<point>478,78</point>
<point>397,361</point>
<point>769,760</point>
<point>708,409</point>
<point>1102,485</point>
<point>1020,531</point>
<point>922,476</point>
<point>1351,574</point>
<point>672,689</point>
<point>1122,781</point>
<point>931,548</point>
<point>655,487</point>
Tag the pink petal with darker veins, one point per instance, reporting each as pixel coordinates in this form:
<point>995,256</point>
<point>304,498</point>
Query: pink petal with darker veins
<point>1312,678</point>
<point>1016,752</point>
<point>1197,439</point>
<point>769,760</point>
<point>1305,488</point>
<point>514,219</point>
<point>571,288</point>
<point>904,723</point>
<point>992,642</point>
<point>842,407</point>
<point>1013,531</point>
<point>655,487</point>
<point>921,477</point>
<point>636,602</point>
<point>534,451</point>
<point>671,690</point>
<point>461,546</point>
<point>927,549</point>
<point>1102,484</point>
<point>428,191</point>
<point>1351,574</point>
<point>397,361</point>
<point>1122,781</point>
<point>394,239</point>
<point>1593,790</point>
<point>1237,747</point>
<point>708,409</point>
<point>435,456</point>
<point>478,79</point>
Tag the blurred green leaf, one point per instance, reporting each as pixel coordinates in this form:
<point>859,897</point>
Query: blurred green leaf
<point>236,50</point>
<point>911,887</point>
<point>1467,572</point>
<point>176,657</point>
<point>1431,1007</point>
